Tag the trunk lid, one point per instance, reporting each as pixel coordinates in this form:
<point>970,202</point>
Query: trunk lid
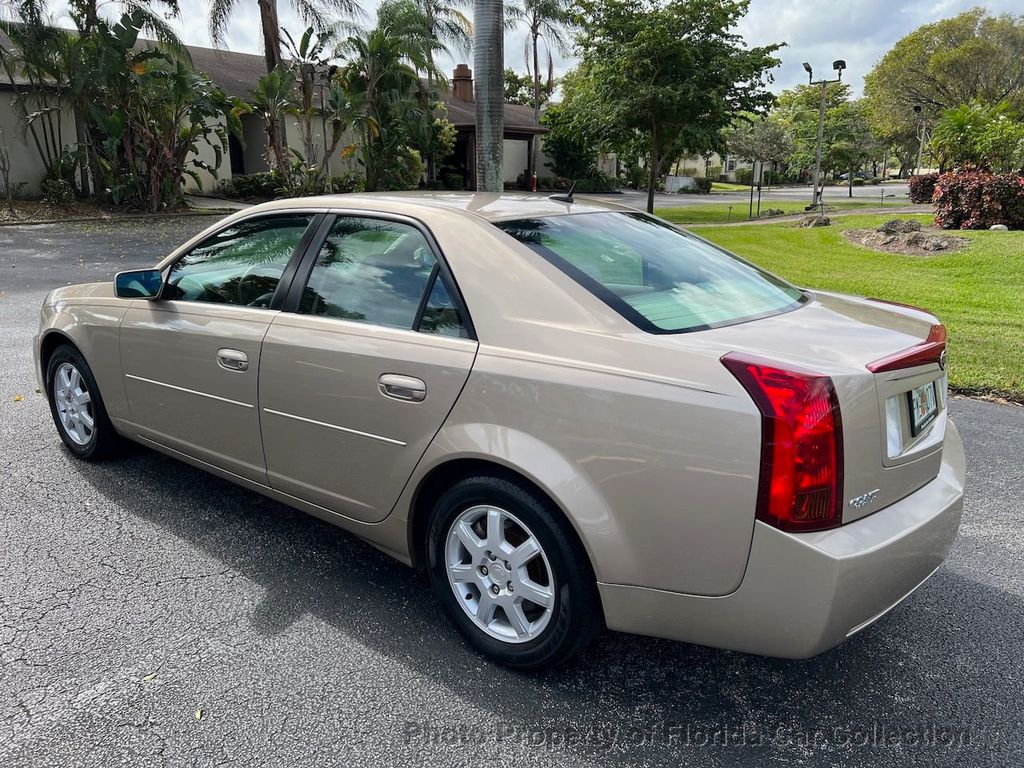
<point>886,455</point>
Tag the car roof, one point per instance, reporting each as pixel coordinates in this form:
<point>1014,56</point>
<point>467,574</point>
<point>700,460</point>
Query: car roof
<point>487,205</point>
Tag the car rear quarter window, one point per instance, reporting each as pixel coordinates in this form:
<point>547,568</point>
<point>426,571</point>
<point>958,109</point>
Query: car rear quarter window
<point>657,277</point>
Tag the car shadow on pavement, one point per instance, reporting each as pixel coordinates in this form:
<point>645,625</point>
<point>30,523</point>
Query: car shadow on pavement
<point>628,699</point>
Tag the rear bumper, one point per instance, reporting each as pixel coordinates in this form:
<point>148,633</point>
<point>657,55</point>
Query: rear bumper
<point>804,593</point>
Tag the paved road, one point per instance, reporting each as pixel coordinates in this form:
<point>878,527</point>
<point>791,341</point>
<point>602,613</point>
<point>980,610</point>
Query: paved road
<point>894,194</point>
<point>135,593</point>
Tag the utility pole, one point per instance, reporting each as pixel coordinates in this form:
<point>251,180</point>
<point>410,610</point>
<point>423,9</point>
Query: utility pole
<point>920,146</point>
<point>839,65</point>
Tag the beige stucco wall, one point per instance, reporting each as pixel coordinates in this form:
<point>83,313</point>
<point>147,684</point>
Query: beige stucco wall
<point>207,154</point>
<point>26,164</point>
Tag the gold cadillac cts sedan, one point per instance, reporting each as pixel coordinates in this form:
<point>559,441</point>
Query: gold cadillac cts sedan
<point>571,415</point>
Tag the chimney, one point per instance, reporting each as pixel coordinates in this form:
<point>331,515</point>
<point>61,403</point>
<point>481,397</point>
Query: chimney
<point>462,83</point>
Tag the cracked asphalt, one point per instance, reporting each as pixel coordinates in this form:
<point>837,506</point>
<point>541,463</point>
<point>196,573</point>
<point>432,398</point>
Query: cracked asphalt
<point>153,615</point>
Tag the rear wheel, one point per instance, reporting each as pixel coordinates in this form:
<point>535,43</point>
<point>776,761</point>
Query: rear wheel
<point>511,574</point>
<point>76,406</point>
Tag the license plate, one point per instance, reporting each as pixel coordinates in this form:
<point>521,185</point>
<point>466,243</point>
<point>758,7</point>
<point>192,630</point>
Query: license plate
<point>924,407</point>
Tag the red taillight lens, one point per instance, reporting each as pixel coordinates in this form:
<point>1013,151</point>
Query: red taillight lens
<point>801,485</point>
<point>928,351</point>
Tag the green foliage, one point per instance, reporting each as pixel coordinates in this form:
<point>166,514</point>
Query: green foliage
<point>939,66</point>
<point>264,185</point>
<point>519,88</point>
<point>672,73</point>
<point>744,176</point>
<point>846,142</point>
<point>151,116</point>
<point>57,191</point>
<point>454,181</point>
<point>385,98</point>
<point>978,136</point>
<point>764,140</point>
<point>572,153</point>
<point>352,181</point>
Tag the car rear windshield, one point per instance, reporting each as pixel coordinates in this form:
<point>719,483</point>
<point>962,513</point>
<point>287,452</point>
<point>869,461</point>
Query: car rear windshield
<point>657,277</point>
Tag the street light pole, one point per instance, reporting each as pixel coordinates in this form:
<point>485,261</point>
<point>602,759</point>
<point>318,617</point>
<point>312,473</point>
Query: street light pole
<point>920,146</point>
<point>838,65</point>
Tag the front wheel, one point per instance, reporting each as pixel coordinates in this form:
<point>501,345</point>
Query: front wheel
<point>76,406</point>
<point>511,574</point>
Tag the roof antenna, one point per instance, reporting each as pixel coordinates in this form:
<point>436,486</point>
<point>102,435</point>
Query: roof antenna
<point>567,197</point>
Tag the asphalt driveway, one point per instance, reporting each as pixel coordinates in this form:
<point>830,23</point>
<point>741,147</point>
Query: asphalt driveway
<point>153,615</point>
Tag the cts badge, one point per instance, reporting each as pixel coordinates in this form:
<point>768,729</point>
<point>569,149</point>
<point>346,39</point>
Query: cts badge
<point>864,499</point>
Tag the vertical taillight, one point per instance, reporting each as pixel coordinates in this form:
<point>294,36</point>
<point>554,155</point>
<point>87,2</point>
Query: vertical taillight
<point>801,484</point>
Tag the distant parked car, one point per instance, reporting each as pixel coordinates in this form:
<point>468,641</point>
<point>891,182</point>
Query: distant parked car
<point>571,415</point>
<point>856,175</point>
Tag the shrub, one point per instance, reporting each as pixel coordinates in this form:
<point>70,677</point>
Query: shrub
<point>875,181</point>
<point>858,182</point>
<point>703,185</point>
<point>57,191</point>
<point>714,172</point>
<point>454,181</point>
<point>744,176</point>
<point>264,184</point>
<point>922,188</point>
<point>979,200</point>
<point>351,181</point>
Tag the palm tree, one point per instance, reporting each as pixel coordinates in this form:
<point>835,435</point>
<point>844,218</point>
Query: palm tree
<point>315,13</point>
<point>545,22</point>
<point>447,24</point>
<point>489,66</point>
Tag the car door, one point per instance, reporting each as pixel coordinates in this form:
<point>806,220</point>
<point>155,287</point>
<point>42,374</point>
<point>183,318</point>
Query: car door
<point>356,381</point>
<point>191,358</point>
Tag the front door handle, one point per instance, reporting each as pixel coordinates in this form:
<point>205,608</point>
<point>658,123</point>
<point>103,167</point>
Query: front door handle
<point>400,387</point>
<point>232,360</point>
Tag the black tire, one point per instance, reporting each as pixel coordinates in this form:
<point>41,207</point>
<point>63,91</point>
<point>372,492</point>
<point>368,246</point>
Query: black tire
<point>103,441</point>
<point>576,613</point>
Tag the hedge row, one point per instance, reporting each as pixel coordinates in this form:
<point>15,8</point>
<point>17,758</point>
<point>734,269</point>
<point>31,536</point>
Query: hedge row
<point>979,200</point>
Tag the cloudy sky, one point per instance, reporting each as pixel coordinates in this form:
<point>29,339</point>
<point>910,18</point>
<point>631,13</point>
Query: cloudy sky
<point>818,31</point>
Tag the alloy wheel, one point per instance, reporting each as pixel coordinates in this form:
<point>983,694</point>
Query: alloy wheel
<point>74,404</point>
<point>500,574</point>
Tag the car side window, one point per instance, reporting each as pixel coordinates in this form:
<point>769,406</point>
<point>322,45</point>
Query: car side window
<point>441,314</point>
<point>370,271</point>
<point>239,265</point>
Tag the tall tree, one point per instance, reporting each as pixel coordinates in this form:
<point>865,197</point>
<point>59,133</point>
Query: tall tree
<point>974,56</point>
<point>319,14</point>
<point>674,73</point>
<point>545,30</point>
<point>447,25</point>
<point>489,65</point>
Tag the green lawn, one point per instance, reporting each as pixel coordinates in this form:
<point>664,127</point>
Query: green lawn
<point>728,186</point>
<point>717,213</point>
<point>978,292</point>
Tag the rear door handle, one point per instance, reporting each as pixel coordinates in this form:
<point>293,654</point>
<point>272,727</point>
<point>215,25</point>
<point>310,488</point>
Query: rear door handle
<point>399,387</point>
<point>232,359</point>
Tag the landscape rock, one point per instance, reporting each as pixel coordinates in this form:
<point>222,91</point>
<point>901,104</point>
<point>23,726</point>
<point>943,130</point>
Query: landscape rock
<point>913,243</point>
<point>815,221</point>
<point>900,226</point>
<point>999,228</point>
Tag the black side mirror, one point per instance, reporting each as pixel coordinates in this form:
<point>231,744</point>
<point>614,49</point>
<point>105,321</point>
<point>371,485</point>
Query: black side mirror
<point>138,284</point>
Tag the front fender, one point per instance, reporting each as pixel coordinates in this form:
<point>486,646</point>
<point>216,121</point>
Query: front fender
<point>88,316</point>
